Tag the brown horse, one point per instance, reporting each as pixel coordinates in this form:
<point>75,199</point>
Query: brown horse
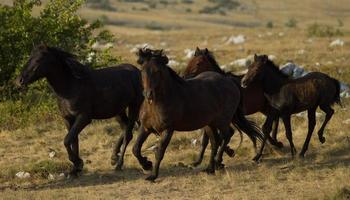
<point>175,104</point>
<point>253,99</point>
<point>290,96</point>
<point>84,94</point>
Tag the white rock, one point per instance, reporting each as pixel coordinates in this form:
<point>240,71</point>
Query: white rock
<point>51,177</point>
<point>52,154</point>
<point>95,45</point>
<point>337,42</point>
<point>239,39</point>
<point>153,148</point>
<point>173,63</point>
<point>140,46</point>
<point>22,175</point>
<point>272,57</point>
<point>301,51</point>
<point>194,142</point>
<point>163,44</point>
<point>189,53</point>
<point>280,34</point>
<point>108,45</point>
<point>269,33</point>
<point>62,175</point>
<point>91,56</point>
<point>347,121</point>
<point>243,62</point>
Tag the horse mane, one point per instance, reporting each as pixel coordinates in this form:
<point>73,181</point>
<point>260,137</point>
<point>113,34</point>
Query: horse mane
<point>211,58</point>
<point>77,69</point>
<point>275,68</point>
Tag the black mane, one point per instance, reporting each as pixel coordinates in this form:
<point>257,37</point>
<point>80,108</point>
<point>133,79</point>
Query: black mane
<point>211,58</point>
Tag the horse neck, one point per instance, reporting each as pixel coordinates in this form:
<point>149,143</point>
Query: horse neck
<point>273,82</point>
<point>60,80</point>
<point>170,89</point>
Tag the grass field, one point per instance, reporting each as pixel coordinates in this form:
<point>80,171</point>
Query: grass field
<point>323,174</point>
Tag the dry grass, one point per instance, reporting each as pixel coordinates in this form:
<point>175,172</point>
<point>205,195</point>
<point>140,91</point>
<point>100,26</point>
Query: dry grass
<point>325,173</point>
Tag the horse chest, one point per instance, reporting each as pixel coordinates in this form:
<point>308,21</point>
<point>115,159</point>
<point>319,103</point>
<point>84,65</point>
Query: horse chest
<point>153,118</point>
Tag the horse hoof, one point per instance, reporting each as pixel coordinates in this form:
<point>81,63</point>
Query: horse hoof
<point>209,171</point>
<point>220,166</point>
<point>195,164</point>
<point>279,145</point>
<point>301,156</point>
<point>230,153</point>
<point>322,140</point>
<point>118,168</point>
<point>151,178</point>
<point>257,158</point>
<point>114,160</point>
<point>147,165</point>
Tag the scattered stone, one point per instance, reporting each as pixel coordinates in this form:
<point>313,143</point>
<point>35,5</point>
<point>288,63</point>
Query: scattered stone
<point>347,121</point>
<point>243,62</point>
<point>189,53</point>
<point>194,142</point>
<point>337,42</point>
<point>173,63</point>
<point>301,51</point>
<point>280,34</point>
<point>272,57</point>
<point>52,154</point>
<point>239,39</point>
<point>153,148</point>
<point>51,177</point>
<point>140,46</point>
<point>22,175</point>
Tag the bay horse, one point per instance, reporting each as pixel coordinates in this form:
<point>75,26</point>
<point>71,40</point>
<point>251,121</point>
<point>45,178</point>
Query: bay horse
<point>290,96</point>
<point>176,104</point>
<point>84,94</point>
<point>253,99</point>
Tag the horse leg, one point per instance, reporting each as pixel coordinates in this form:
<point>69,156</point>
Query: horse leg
<point>226,136</point>
<point>127,139</point>
<point>266,130</point>
<point>133,115</point>
<point>164,141</point>
<point>329,113</point>
<point>136,150</point>
<point>205,140</point>
<point>274,134</point>
<point>71,143</point>
<point>312,122</point>
<point>287,126</point>
<point>211,166</point>
<point>123,120</point>
<point>228,150</point>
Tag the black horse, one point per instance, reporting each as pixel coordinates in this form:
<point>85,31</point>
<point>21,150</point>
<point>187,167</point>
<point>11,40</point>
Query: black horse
<point>289,96</point>
<point>84,94</point>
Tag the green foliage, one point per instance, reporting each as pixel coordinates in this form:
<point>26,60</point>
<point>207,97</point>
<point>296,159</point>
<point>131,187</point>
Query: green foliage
<point>291,23</point>
<point>57,25</point>
<point>322,30</point>
<point>269,24</point>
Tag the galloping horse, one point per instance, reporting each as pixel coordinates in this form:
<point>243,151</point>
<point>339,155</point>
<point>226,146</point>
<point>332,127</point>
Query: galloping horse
<point>84,94</point>
<point>176,104</point>
<point>289,96</point>
<point>253,99</point>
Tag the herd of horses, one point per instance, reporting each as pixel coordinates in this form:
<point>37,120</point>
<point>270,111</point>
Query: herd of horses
<point>161,101</point>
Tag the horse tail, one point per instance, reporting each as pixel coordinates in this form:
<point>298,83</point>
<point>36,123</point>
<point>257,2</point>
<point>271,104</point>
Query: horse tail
<point>248,127</point>
<point>336,98</point>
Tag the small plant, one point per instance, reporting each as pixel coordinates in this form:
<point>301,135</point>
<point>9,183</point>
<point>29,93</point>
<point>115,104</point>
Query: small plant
<point>269,24</point>
<point>291,23</point>
<point>340,23</point>
<point>322,30</point>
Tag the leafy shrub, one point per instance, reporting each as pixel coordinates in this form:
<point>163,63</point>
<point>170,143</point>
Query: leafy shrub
<point>269,24</point>
<point>322,30</point>
<point>220,7</point>
<point>57,25</point>
<point>291,23</point>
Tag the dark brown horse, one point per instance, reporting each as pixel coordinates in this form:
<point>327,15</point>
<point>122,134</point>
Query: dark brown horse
<point>290,96</point>
<point>175,104</point>
<point>253,99</point>
<point>84,94</point>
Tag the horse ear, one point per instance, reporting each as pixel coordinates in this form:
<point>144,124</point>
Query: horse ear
<point>255,57</point>
<point>196,53</point>
<point>206,51</point>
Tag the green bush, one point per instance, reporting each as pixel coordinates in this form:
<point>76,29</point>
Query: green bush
<point>291,23</point>
<point>269,24</point>
<point>322,30</point>
<point>57,25</point>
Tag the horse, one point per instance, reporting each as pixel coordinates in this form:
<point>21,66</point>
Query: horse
<point>253,99</point>
<point>84,94</point>
<point>176,104</point>
<point>290,96</point>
